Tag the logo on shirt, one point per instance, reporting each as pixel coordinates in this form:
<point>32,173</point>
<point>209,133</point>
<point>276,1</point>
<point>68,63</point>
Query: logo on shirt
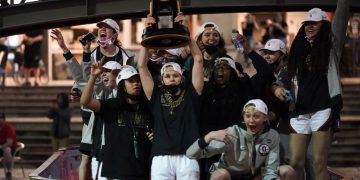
<point>264,149</point>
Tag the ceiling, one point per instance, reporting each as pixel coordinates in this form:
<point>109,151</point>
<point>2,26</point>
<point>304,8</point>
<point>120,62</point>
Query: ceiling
<point>45,14</point>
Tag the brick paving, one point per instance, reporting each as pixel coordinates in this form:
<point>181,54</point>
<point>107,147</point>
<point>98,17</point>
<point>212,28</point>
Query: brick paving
<point>17,173</point>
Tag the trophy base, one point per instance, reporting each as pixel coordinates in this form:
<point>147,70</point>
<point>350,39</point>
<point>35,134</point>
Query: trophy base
<point>168,38</point>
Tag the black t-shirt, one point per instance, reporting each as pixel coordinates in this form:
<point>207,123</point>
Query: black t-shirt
<point>222,106</point>
<point>313,94</point>
<point>34,50</point>
<point>176,122</point>
<point>264,77</point>
<point>123,122</point>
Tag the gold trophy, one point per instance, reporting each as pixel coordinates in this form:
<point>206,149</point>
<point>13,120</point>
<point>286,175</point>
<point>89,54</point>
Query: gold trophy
<point>165,33</point>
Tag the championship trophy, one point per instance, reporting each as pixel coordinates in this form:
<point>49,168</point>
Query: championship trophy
<point>165,33</point>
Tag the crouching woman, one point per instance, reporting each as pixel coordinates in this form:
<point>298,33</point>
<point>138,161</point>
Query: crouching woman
<point>249,151</point>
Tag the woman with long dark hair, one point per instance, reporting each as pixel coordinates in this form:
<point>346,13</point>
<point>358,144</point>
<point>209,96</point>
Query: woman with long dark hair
<point>126,119</point>
<point>314,82</point>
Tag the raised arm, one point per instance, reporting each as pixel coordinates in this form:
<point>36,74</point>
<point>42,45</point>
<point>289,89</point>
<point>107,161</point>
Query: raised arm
<point>340,21</point>
<point>147,81</point>
<point>198,68</point>
<point>86,98</point>
<point>57,35</point>
<point>73,64</point>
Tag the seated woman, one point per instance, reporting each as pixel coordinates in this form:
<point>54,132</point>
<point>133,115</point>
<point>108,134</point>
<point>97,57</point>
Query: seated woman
<point>249,151</point>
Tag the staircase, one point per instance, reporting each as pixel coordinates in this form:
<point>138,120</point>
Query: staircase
<point>35,134</point>
<point>26,109</point>
<point>345,150</point>
<point>31,101</point>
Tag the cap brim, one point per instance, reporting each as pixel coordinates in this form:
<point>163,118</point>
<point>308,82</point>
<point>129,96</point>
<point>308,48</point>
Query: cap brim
<point>311,21</point>
<point>100,23</point>
<point>262,49</point>
<point>105,24</point>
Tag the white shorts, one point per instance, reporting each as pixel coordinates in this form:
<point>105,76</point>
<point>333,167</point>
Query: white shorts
<point>307,123</point>
<point>177,167</point>
<point>96,168</point>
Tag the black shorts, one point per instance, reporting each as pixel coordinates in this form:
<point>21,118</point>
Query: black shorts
<point>32,61</point>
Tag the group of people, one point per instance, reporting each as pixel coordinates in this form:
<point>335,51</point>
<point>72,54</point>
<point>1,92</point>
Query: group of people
<point>275,28</point>
<point>193,112</point>
<point>26,54</point>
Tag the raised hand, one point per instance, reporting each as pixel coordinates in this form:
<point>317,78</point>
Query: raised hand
<point>96,67</point>
<point>57,35</point>
<point>244,42</point>
<point>180,18</point>
<point>149,21</point>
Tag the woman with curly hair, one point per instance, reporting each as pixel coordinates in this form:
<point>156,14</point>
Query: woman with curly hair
<point>212,46</point>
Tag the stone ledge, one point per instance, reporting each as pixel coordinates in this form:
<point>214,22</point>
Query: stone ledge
<point>348,118</point>
<point>351,81</point>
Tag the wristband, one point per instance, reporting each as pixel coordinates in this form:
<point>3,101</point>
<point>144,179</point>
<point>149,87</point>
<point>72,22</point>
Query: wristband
<point>202,143</point>
<point>68,55</point>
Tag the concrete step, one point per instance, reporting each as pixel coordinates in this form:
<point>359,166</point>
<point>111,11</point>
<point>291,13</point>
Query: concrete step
<point>345,142</point>
<point>343,161</point>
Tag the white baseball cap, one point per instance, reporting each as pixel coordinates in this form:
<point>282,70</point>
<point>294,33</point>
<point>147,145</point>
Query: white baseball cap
<point>126,73</point>
<point>228,60</point>
<point>111,23</point>
<point>258,104</point>
<point>175,67</point>
<point>274,45</point>
<point>315,14</point>
<point>112,65</point>
<point>215,27</point>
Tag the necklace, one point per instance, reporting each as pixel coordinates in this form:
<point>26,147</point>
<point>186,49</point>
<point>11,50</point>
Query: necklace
<point>167,100</point>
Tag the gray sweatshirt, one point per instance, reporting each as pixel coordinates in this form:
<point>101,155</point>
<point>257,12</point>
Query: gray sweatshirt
<point>237,158</point>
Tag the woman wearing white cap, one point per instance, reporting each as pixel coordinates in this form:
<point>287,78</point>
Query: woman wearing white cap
<point>314,83</point>
<point>126,119</point>
<point>92,139</point>
<point>245,149</point>
<point>175,105</point>
<point>108,47</point>
<point>86,114</point>
<point>212,46</point>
